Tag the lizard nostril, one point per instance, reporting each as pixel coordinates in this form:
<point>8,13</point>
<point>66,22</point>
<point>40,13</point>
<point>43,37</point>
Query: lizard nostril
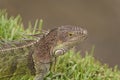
<point>85,32</point>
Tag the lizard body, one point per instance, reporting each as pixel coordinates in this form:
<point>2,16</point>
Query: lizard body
<point>42,52</point>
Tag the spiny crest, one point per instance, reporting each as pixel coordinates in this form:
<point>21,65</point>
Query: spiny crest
<point>13,46</point>
<point>22,43</point>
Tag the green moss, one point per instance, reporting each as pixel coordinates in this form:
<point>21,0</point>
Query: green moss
<point>72,66</point>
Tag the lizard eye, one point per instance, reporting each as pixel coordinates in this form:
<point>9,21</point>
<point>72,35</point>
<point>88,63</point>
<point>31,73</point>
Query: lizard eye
<point>70,34</point>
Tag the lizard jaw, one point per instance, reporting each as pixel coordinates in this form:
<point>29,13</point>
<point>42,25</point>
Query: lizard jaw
<point>64,46</point>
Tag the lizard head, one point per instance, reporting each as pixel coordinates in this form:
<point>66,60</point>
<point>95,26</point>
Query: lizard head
<point>71,33</point>
<point>68,37</point>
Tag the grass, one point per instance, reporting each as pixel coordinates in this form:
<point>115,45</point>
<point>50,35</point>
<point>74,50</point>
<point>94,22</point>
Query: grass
<point>71,66</point>
<point>12,28</point>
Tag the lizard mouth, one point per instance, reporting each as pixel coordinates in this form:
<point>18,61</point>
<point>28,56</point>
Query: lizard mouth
<point>78,39</point>
<point>81,35</point>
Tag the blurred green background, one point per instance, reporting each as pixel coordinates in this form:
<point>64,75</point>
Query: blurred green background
<point>100,17</point>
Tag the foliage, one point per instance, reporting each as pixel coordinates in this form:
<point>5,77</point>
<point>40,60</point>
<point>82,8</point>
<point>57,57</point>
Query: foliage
<point>72,66</point>
<point>12,28</point>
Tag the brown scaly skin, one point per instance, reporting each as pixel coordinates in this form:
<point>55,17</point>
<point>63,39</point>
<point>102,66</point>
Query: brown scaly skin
<point>45,50</point>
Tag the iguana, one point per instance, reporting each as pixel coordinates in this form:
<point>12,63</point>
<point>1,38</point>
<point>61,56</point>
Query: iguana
<point>38,55</point>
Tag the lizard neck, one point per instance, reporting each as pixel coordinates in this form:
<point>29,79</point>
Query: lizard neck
<point>44,47</point>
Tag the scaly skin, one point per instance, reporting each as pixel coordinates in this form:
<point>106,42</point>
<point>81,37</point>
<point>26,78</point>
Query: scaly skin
<point>40,54</point>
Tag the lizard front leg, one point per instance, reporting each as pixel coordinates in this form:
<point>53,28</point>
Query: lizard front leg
<point>41,70</point>
<point>56,53</point>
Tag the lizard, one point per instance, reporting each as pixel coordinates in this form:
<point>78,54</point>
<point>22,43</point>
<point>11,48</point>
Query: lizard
<point>41,53</point>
